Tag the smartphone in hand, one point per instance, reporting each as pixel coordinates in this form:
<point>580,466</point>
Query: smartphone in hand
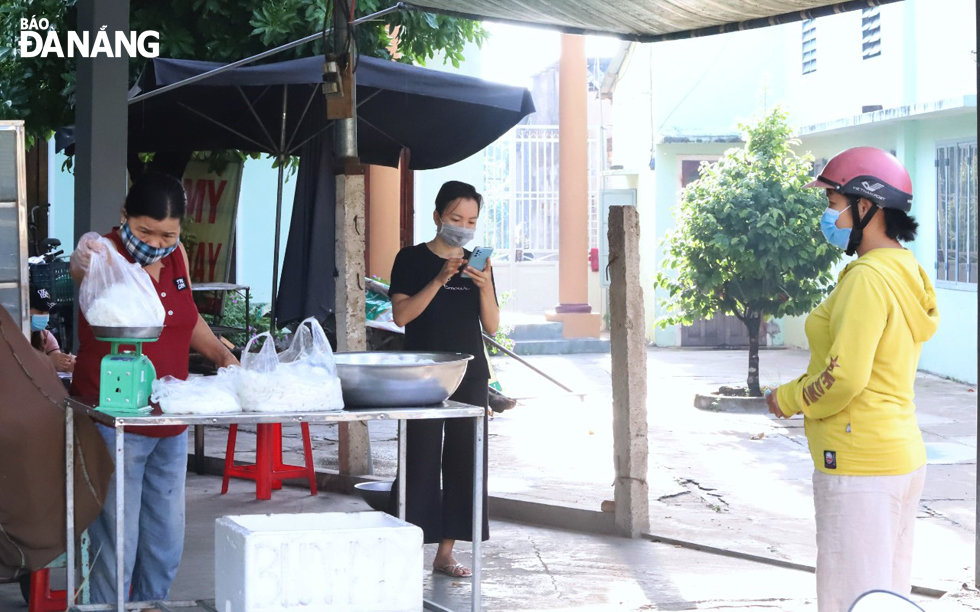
<point>479,259</point>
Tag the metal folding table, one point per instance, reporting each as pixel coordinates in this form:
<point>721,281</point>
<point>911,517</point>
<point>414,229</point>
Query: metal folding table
<point>76,407</point>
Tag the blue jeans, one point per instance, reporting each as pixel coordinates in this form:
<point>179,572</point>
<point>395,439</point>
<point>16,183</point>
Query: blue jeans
<point>155,472</point>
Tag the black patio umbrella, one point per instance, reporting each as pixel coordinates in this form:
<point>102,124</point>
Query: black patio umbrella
<point>441,117</point>
<point>278,108</point>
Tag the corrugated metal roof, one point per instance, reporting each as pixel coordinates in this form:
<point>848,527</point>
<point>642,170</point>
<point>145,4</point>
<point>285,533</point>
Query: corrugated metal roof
<point>643,20</point>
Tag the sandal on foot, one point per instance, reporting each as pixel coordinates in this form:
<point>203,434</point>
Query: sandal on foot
<point>457,570</point>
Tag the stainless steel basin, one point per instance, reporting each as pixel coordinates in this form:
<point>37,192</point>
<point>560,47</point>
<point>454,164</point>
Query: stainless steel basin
<point>399,379</point>
<point>128,333</point>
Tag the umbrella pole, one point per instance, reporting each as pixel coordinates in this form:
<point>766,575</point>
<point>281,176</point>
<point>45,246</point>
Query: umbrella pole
<point>275,254</point>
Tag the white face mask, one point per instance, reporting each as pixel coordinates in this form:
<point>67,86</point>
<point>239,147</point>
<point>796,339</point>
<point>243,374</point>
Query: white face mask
<point>456,236</point>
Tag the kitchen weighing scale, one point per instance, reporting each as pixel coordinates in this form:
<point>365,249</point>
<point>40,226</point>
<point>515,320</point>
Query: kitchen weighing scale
<point>127,376</point>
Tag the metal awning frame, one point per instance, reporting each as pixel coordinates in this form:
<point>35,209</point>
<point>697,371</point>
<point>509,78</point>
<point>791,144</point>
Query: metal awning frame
<point>750,24</point>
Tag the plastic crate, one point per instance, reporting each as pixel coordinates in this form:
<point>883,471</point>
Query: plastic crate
<point>56,278</point>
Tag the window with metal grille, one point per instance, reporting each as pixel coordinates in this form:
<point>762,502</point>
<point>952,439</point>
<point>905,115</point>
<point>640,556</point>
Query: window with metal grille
<point>520,193</point>
<point>956,209</point>
<point>870,32</point>
<point>809,46</point>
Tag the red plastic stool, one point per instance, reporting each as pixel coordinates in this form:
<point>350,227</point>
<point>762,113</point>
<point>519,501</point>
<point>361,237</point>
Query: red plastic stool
<point>268,455</point>
<point>43,599</point>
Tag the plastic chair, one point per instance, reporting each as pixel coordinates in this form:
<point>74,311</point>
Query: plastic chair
<point>38,593</point>
<point>43,599</point>
<point>268,455</point>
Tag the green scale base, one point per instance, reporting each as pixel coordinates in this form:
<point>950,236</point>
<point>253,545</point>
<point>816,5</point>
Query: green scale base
<point>127,377</point>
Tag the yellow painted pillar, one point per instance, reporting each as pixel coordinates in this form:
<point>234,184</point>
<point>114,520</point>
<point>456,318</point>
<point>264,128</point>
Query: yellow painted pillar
<point>573,309</point>
<point>384,237</point>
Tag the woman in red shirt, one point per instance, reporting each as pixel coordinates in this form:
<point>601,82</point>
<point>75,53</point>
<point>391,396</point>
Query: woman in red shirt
<point>156,457</point>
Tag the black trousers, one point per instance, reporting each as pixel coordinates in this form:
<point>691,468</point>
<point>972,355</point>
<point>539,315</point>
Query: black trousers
<point>444,447</point>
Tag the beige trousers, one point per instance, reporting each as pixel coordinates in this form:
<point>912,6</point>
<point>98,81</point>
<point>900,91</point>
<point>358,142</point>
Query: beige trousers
<point>865,528</point>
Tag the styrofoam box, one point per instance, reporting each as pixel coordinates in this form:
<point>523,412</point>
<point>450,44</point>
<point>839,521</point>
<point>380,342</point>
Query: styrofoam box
<point>337,561</point>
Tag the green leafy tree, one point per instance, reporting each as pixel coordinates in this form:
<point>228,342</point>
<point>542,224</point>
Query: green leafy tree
<point>747,241</point>
<point>41,90</point>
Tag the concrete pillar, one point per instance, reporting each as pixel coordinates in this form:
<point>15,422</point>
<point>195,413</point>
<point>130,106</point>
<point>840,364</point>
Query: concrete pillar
<point>355,444</point>
<point>573,309</point>
<point>101,125</point>
<point>384,188</point>
<point>629,373</point>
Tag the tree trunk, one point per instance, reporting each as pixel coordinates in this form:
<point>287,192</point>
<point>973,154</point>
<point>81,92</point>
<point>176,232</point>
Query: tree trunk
<point>754,322</point>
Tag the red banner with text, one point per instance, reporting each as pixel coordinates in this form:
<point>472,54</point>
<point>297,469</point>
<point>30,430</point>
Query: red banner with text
<point>208,232</point>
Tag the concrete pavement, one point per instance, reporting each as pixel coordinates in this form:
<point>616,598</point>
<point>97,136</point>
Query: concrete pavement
<point>525,567</point>
<point>738,482</point>
<point>734,483</point>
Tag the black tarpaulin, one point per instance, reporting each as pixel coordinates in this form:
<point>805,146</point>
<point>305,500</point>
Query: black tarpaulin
<point>308,285</point>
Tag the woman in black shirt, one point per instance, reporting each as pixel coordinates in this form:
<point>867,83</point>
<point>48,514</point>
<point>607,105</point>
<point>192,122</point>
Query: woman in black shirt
<point>442,311</point>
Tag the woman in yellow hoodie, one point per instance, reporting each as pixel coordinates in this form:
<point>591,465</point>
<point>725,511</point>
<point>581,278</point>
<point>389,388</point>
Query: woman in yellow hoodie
<point>857,395</point>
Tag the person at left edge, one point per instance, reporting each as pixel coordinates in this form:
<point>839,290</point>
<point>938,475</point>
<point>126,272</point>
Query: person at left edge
<point>155,457</point>
<point>41,339</point>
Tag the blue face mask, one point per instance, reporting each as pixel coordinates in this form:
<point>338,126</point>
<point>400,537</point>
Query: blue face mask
<point>39,322</point>
<point>834,235</point>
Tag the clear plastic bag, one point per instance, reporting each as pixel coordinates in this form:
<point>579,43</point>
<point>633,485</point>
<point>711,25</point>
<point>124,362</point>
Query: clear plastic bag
<point>302,378</point>
<point>116,293</point>
<point>258,389</point>
<point>199,394</point>
<point>265,360</point>
<point>311,365</point>
<point>311,347</point>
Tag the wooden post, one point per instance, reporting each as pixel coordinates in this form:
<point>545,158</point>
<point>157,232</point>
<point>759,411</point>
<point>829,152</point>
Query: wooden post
<point>355,443</point>
<point>629,373</point>
<point>406,204</point>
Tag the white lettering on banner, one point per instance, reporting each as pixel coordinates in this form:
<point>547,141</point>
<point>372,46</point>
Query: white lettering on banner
<point>38,40</point>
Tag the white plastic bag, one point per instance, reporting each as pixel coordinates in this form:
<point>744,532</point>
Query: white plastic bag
<point>310,362</point>
<point>265,360</point>
<point>310,346</point>
<point>258,389</point>
<point>198,394</point>
<point>116,293</point>
<point>302,379</point>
